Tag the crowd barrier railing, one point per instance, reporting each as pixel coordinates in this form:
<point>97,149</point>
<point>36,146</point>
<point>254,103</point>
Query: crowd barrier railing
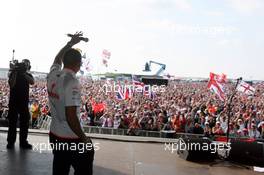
<point>142,133</point>
<point>43,123</point>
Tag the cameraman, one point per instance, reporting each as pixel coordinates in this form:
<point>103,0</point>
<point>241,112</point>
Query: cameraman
<point>19,80</point>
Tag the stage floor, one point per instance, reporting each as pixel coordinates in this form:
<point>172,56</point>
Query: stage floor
<point>113,158</point>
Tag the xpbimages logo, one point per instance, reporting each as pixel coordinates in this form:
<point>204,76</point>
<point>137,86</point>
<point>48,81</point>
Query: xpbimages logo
<point>182,145</point>
<point>108,88</point>
<point>58,146</point>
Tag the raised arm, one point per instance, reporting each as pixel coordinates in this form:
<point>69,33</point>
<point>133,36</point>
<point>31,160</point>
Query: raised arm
<point>74,40</point>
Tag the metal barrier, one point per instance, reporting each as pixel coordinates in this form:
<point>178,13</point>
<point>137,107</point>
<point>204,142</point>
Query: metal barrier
<point>43,123</point>
<point>142,133</point>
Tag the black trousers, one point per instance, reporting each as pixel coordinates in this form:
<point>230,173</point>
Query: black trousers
<point>82,161</point>
<point>24,116</point>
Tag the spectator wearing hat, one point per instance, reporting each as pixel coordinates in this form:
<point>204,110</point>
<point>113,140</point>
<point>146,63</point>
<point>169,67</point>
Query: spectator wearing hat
<point>241,124</point>
<point>207,130</point>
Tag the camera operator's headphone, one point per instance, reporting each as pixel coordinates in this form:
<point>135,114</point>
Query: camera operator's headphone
<point>27,62</point>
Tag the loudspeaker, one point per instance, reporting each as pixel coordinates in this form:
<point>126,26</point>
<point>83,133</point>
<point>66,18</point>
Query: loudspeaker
<point>248,153</point>
<point>197,149</point>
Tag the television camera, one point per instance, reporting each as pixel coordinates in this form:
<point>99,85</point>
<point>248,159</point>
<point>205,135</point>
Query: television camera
<point>16,66</point>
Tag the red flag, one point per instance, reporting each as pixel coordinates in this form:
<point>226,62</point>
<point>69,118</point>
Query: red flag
<point>215,84</point>
<point>97,107</point>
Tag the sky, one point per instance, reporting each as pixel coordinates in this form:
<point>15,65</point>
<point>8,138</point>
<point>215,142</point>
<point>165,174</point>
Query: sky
<point>192,37</point>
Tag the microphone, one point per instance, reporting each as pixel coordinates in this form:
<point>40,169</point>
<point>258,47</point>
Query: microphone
<point>82,38</point>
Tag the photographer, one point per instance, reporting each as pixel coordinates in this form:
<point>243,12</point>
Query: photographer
<point>19,81</point>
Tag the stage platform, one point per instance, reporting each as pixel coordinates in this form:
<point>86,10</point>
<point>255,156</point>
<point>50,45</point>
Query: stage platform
<point>113,158</point>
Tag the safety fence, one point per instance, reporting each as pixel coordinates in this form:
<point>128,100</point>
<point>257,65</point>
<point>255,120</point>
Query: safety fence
<point>142,133</point>
<point>43,123</point>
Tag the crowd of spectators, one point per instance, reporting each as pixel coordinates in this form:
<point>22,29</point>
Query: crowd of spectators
<point>183,107</point>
